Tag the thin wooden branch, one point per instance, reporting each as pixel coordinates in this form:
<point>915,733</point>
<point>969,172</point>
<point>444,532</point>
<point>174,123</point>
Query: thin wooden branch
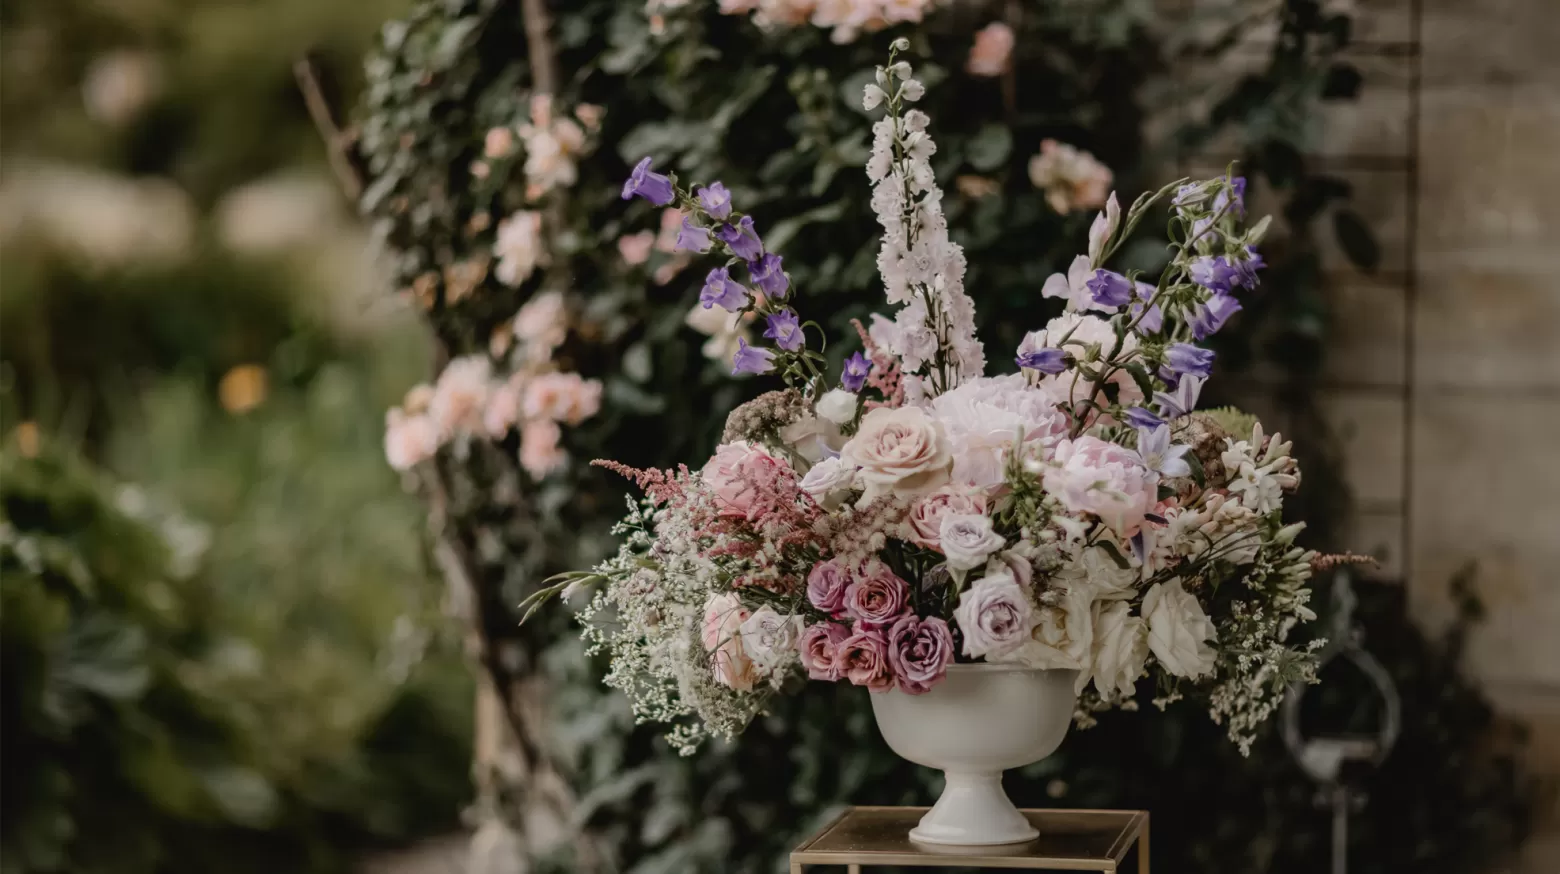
<point>339,144</point>
<point>538,38</point>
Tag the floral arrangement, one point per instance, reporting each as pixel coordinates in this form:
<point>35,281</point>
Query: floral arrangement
<point>916,511</point>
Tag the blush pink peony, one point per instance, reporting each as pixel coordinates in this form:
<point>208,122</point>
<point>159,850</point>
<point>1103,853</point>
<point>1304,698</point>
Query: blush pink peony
<point>1093,476</point>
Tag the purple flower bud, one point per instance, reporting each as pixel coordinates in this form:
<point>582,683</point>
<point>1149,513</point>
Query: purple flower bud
<point>769,276</point>
<point>1183,358</point>
<point>855,374</point>
<point>1246,269</point>
<point>693,238</point>
<point>751,359</point>
<point>1047,360</point>
<point>1215,273</point>
<point>650,185</point>
<point>784,328</point>
<point>1233,197</point>
<point>742,239</point>
<point>1208,318</point>
<point>715,200</point>
<point>1109,288</point>
<point>723,291</point>
<point>1139,417</point>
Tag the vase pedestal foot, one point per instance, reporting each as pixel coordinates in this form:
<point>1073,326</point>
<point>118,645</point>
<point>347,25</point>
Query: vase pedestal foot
<point>973,811</point>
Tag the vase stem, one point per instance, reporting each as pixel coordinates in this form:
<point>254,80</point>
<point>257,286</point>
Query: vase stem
<point>973,810</point>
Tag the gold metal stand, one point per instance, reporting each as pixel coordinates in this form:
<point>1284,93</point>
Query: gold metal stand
<point>1070,840</point>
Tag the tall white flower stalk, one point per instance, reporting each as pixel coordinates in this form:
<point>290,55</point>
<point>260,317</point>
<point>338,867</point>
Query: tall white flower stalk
<point>933,333</point>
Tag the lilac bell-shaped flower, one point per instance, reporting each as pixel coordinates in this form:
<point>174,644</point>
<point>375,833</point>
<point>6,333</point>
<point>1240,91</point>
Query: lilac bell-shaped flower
<point>650,185</point>
<point>742,239</point>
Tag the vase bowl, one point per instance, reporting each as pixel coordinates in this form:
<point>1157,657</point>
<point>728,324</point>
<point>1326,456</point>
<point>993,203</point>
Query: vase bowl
<point>979,721</point>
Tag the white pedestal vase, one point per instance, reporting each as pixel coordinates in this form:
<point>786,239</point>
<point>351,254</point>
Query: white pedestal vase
<point>975,724</point>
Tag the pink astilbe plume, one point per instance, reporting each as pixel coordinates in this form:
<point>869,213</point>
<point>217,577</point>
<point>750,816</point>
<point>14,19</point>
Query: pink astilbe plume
<point>662,486</point>
<point>885,375</point>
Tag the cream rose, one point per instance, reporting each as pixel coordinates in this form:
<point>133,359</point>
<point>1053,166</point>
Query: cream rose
<point>1063,637</point>
<point>1178,630</point>
<point>770,639</point>
<point>838,406</point>
<point>901,451</point>
<point>1120,649</point>
<point>829,482</point>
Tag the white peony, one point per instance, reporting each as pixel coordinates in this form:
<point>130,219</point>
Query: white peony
<point>838,406</point>
<point>986,417</point>
<point>1063,637</point>
<point>829,482</point>
<point>902,451</point>
<point>770,639</point>
<point>1120,649</point>
<point>1178,630</point>
<point>1095,567</point>
<point>967,539</point>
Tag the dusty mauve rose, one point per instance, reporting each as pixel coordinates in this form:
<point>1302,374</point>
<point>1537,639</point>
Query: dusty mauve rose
<point>1108,480</point>
<point>826,585</point>
<point>995,616</point>
<point>924,524</point>
<point>877,596</point>
<point>820,647</point>
<point>992,50</point>
<point>901,450</point>
<point>729,474</point>
<point>863,659</point>
<point>919,651</point>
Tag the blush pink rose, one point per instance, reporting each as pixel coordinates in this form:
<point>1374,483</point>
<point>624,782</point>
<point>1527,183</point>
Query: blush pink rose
<point>992,50</point>
<point>826,586</point>
<point>924,523</point>
<point>820,647</point>
<point>1110,481</point>
<point>877,596</point>
<point>862,658</point>
<point>919,651</point>
<point>721,635</point>
<point>731,474</point>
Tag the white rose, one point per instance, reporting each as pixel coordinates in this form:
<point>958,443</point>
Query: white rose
<point>829,481</point>
<point>811,437</point>
<point>966,539</point>
<point>1120,649</point>
<point>901,450</point>
<point>1064,636</point>
<point>1095,567</point>
<point>994,615</point>
<point>837,406</point>
<point>1178,630</point>
<point>769,639</point>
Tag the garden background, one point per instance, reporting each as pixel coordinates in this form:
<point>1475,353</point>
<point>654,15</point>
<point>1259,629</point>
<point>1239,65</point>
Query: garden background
<point>227,622</point>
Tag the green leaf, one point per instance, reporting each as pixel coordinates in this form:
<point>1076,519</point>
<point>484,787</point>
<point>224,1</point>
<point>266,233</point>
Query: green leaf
<point>1357,240</point>
<point>990,147</point>
<point>1140,376</point>
<point>1115,553</point>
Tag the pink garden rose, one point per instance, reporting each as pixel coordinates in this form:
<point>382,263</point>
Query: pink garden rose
<point>730,475</point>
<point>820,648</point>
<point>862,658</point>
<point>826,586</point>
<point>1107,480</point>
<point>992,50</point>
<point>919,651</point>
<point>924,524</point>
<point>877,596</point>
<point>721,634</point>
<point>900,450</point>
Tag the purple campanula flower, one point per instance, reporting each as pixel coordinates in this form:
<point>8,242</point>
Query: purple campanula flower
<point>1158,454</point>
<point>723,291</point>
<point>1246,268</point>
<point>769,275</point>
<point>1184,358</point>
<point>751,359</point>
<point>1153,321</point>
<point>650,185</point>
<point>1208,318</point>
<point>1233,197</point>
<point>1215,273</point>
<point>1109,288</point>
<point>1142,417</point>
<point>693,238</point>
<point>1173,405</point>
<point>854,376</point>
<point>742,239</point>
<point>784,328</point>
<point>1045,360</point>
<point>715,200</point>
